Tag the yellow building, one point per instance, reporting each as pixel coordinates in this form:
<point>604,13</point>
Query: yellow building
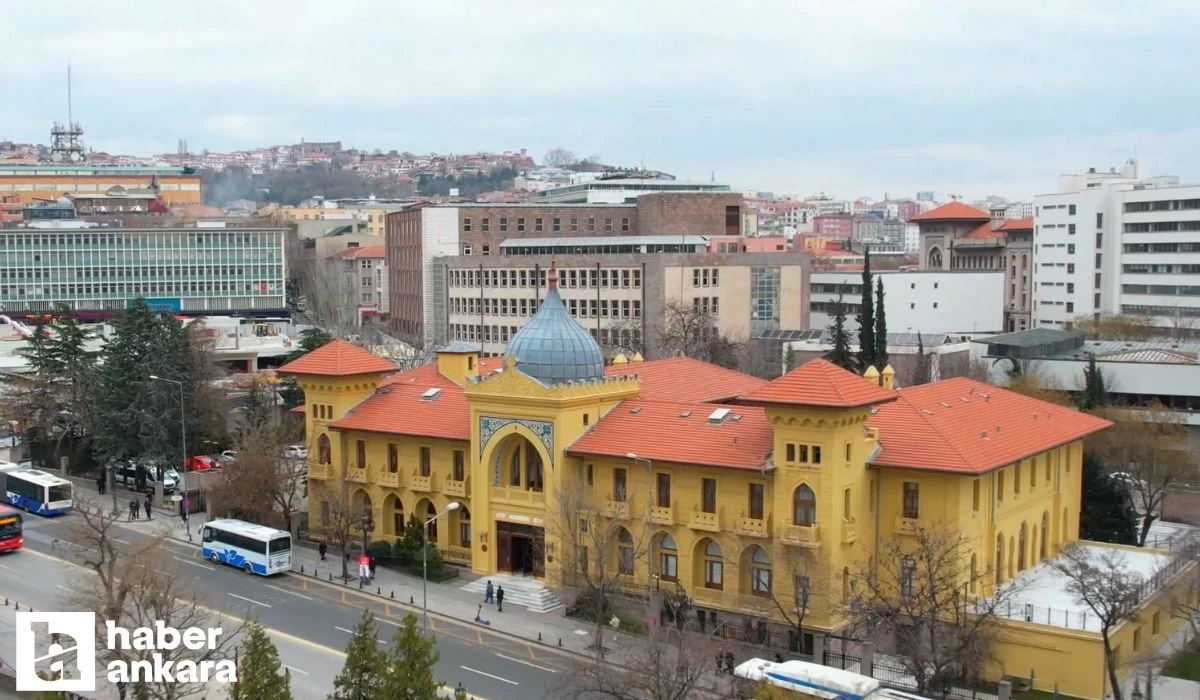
<point>744,493</point>
<point>34,183</point>
<point>373,216</point>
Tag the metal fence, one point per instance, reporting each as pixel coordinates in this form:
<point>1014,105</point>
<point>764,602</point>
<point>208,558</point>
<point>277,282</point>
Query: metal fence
<point>842,660</point>
<point>894,673</point>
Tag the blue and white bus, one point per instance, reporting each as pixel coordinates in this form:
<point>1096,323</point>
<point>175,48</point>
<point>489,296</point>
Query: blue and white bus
<point>801,679</point>
<point>255,549</point>
<point>35,491</point>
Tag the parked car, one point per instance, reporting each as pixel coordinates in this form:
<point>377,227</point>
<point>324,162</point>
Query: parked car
<point>201,463</point>
<point>229,456</point>
<point>145,476</point>
<point>295,452</point>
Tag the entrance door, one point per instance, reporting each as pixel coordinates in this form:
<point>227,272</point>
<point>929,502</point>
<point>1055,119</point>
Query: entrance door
<point>504,559</point>
<point>522,554</point>
<point>539,553</point>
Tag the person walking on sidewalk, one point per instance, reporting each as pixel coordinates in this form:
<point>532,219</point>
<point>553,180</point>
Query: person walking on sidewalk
<point>133,509</point>
<point>500,599</point>
<point>149,502</point>
<point>371,564</point>
<point>101,483</point>
<point>489,593</point>
<point>321,549</point>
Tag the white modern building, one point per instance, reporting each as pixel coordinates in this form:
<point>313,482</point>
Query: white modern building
<point>961,302</point>
<point>1117,243</point>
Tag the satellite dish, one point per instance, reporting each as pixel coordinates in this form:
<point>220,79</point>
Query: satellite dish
<point>76,156</point>
<point>56,157</point>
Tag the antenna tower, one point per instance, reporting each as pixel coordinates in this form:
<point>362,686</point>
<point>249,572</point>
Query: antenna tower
<point>66,140</point>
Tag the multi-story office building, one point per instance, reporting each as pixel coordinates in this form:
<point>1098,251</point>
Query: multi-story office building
<point>364,280</point>
<point>418,234</point>
<point>621,190</point>
<point>35,183</point>
<point>1118,243</point>
<point>97,272</point>
<point>1018,274</point>
<point>954,302</point>
<point>622,298</point>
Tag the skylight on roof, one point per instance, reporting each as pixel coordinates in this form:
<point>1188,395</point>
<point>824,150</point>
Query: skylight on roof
<point>685,414</point>
<point>718,415</point>
<point>431,394</point>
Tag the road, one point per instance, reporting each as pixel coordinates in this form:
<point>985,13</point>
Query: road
<point>310,621</point>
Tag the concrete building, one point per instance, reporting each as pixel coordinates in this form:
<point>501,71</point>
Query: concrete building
<point>948,355</point>
<point>418,234</point>
<point>34,183</point>
<point>957,303</point>
<point>1018,274</point>
<point>203,270</point>
<point>364,271</point>
<point>621,190</point>
<point>866,228</point>
<point>620,297</point>
<point>833,226</point>
<point>1118,243</point>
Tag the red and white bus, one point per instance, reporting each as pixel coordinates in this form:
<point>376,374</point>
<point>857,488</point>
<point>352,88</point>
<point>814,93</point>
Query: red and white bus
<point>11,538</point>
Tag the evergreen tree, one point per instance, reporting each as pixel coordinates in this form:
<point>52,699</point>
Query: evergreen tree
<point>310,339</point>
<point>410,661</point>
<point>866,317</point>
<point>366,664</point>
<point>840,355</point>
<point>1106,514</point>
<point>881,336</point>
<point>1094,396</point>
<point>259,676</point>
<point>924,370</point>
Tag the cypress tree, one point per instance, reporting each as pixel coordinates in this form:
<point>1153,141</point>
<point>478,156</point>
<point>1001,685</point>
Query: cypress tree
<point>366,664</point>
<point>1106,514</point>
<point>924,371</point>
<point>881,336</point>
<point>840,355</point>
<point>410,661</point>
<point>259,676</point>
<point>866,317</point>
<point>1094,393</point>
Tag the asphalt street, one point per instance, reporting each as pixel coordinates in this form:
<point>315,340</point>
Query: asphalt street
<point>310,620</point>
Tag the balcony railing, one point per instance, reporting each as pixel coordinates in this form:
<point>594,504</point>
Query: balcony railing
<point>457,488</point>
<point>753,527</point>
<point>662,515</point>
<point>906,526</point>
<point>802,535</point>
<point>519,496</point>
<point>318,471</point>
<point>420,483</point>
<point>458,555</point>
<point>391,479</point>
<point>711,595</point>
<point>356,474</point>
<point>708,522</point>
<point>849,531</point>
<point>618,510</point>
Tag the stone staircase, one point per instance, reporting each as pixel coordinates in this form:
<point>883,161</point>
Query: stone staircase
<point>519,591</point>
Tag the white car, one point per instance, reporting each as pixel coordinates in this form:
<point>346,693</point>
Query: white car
<point>295,452</point>
<point>229,456</point>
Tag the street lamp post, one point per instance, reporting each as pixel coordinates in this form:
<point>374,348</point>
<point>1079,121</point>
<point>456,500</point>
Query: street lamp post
<point>367,526</point>
<point>649,509</point>
<point>451,506</point>
<point>187,521</point>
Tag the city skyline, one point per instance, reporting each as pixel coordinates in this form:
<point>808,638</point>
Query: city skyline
<point>854,99</point>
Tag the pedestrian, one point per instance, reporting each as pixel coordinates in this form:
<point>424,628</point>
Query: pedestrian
<point>489,593</point>
<point>321,549</point>
<point>149,501</point>
<point>500,599</point>
<point>100,483</point>
<point>133,509</point>
<point>371,563</point>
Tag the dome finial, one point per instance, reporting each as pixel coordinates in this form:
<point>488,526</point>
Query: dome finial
<point>552,277</point>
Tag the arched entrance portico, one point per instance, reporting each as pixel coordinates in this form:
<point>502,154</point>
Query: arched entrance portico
<point>517,460</point>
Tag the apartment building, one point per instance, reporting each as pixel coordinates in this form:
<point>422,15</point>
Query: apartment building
<point>1118,243</point>
<point>363,272</point>
<point>953,302</point>
<point>620,298</point>
<point>418,234</point>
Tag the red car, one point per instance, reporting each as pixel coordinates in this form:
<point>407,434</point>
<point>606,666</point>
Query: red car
<point>201,463</point>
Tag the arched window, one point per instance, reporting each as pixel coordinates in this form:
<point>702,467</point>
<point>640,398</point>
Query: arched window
<point>935,258</point>
<point>624,551</point>
<point>1065,520</point>
<point>668,558</point>
<point>847,584</point>
<point>397,517</point>
<point>760,571</point>
<point>714,566</point>
<point>464,527</point>
<point>1021,545</point>
<point>514,467</point>
<point>1012,557</point>
<point>1045,535</point>
<point>999,557</point>
<point>974,573</point>
<point>804,506</point>
<point>324,450</point>
<point>430,512</point>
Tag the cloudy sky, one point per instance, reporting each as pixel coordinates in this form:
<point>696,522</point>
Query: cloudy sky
<point>848,97</point>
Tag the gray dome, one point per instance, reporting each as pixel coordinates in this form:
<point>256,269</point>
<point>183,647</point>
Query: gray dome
<point>552,347</point>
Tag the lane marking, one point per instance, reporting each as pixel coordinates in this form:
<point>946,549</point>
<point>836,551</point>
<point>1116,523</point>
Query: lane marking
<point>192,563</point>
<point>61,587</point>
<point>482,673</point>
<point>519,661</point>
<point>7,568</point>
<point>118,539</point>
<point>284,590</point>
<point>248,600</point>
<point>293,669</point>
<point>352,633</point>
<point>390,622</point>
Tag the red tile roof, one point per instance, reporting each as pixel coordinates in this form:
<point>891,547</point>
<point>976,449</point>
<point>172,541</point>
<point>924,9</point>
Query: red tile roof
<point>370,251</point>
<point>961,425</point>
<point>954,211</point>
<point>397,407</point>
<point>984,231</point>
<point>1017,225</point>
<point>686,379</point>
<point>657,430</point>
<point>820,383</point>
<point>338,359</point>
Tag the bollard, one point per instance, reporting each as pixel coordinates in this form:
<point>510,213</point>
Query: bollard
<point>560,641</point>
<point>411,601</point>
<point>301,568</point>
<point>378,591</point>
<point>393,595</point>
<point>360,584</point>
<point>331,576</point>
<point>539,636</point>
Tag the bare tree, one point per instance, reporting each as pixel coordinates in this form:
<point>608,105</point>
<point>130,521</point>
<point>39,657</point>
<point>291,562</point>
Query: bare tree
<point>1183,325</point>
<point>266,486</point>
<point>343,525</point>
<point>136,586</point>
<point>1131,327</point>
<point>920,594</point>
<point>559,157</point>
<point>809,586</point>
<point>1147,450</point>
<point>1103,582</point>
<point>694,332</point>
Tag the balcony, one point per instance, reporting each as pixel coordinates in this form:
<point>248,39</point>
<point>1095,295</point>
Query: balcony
<point>391,479</point>
<point>753,527</point>
<point>708,522</point>
<point>420,483</point>
<point>457,488</point>
<point>662,515</point>
<point>458,555</point>
<point>714,596</point>
<point>802,535</point>
<point>519,496</point>
<point>356,474</point>
<point>617,510</point>
<point>906,526</point>
<point>849,531</point>
<point>318,471</point>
